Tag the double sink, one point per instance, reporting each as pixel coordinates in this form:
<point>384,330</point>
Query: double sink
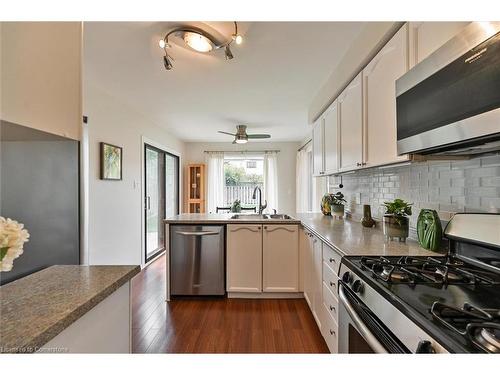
<point>262,216</point>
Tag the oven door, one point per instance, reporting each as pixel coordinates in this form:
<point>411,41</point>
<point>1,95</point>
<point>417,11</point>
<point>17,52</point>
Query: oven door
<point>360,331</point>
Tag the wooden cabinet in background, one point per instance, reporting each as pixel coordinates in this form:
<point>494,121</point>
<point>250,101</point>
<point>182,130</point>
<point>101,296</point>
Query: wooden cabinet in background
<point>195,188</point>
<point>280,262</point>
<point>244,258</point>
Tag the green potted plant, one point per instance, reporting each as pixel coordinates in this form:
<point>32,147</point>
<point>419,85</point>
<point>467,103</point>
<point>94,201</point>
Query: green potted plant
<point>395,221</point>
<point>236,206</point>
<point>333,204</point>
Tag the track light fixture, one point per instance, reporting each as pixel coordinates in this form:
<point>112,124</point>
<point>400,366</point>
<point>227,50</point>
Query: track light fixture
<point>200,41</point>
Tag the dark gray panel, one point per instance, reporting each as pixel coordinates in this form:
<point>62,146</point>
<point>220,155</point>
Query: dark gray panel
<point>39,186</point>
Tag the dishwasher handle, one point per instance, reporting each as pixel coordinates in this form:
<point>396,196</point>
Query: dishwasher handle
<point>200,233</point>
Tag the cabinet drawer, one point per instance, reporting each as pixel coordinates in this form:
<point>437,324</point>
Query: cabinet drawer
<point>330,332</point>
<point>331,302</point>
<point>330,279</point>
<point>332,258</point>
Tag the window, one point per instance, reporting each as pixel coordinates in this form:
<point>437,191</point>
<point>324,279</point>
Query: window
<point>242,174</point>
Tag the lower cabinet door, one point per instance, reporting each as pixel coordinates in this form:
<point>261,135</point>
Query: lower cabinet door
<point>280,258</point>
<point>244,258</point>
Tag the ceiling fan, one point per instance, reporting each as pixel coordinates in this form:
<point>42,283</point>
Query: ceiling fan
<point>241,135</point>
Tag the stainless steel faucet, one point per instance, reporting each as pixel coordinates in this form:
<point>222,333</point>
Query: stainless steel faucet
<point>254,196</point>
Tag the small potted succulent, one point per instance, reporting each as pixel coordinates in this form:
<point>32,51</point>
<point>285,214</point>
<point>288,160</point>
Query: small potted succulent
<point>395,220</point>
<point>333,204</point>
<point>236,206</point>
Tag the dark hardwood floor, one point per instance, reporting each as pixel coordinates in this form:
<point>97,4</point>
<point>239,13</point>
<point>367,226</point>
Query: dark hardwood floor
<point>217,325</point>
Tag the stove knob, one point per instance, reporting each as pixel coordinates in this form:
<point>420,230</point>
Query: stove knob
<point>357,286</point>
<point>347,277</point>
<point>425,347</point>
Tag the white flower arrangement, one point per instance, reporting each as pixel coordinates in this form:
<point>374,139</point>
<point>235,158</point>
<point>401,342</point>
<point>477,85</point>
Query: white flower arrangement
<point>12,239</point>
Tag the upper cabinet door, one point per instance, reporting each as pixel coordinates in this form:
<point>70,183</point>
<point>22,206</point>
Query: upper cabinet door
<point>379,89</point>
<point>331,141</point>
<point>426,37</point>
<point>350,106</point>
<point>317,144</point>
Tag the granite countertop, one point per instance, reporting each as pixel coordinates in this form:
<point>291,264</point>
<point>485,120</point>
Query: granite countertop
<point>36,308</point>
<point>349,237</point>
<point>223,219</point>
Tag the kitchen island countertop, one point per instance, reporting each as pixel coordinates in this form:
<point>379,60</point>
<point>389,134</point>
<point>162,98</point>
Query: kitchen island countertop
<point>36,308</point>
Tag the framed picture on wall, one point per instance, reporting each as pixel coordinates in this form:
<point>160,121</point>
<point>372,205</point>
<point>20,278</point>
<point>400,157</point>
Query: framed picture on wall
<point>111,162</point>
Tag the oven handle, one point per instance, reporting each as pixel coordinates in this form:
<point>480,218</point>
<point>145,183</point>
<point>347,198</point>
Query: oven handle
<point>362,328</point>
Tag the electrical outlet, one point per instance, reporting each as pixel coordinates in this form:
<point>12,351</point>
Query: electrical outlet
<point>358,198</point>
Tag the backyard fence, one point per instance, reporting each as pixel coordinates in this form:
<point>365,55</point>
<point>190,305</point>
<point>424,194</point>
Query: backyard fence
<point>241,192</point>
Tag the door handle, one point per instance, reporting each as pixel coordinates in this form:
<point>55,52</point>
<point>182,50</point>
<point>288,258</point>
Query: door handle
<point>197,233</point>
<point>363,330</point>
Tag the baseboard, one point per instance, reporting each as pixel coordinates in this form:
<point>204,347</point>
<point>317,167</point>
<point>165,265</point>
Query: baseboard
<point>265,295</point>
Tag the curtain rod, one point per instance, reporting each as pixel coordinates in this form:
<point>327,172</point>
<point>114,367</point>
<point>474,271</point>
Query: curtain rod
<point>242,151</point>
<point>304,145</point>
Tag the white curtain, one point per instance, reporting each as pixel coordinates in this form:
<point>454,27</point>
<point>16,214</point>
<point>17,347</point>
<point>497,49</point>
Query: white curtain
<point>302,182</point>
<point>271,181</point>
<point>215,180</point>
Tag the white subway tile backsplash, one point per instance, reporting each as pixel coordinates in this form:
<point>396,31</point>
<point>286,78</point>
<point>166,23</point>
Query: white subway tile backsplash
<point>471,185</point>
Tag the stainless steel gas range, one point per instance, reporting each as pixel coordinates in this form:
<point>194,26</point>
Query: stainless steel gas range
<point>426,304</point>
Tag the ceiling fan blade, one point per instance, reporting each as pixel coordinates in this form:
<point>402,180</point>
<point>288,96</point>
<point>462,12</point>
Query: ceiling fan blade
<point>259,136</point>
<point>226,133</point>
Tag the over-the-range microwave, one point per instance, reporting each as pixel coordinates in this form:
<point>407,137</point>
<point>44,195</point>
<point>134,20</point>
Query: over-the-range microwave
<point>450,102</point>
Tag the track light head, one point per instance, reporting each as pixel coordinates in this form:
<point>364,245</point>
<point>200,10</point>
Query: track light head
<point>167,63</point>
<point>228,53</point>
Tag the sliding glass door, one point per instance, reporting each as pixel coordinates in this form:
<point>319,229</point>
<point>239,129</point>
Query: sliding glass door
<point>161,196</point>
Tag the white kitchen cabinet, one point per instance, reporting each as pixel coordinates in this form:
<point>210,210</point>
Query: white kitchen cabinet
<point>306,264</point>
<point>379,88</point>
<point>350,107</point>
<point>42,76</point>
<point>317,147</point>
<point>280,258</point>
<point>316,281</point>
<point>244,258</point>
<point>426,37</point>
<point>331,141</point>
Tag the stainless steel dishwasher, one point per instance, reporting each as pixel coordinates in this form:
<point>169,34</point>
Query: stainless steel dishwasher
<point>197,260</point>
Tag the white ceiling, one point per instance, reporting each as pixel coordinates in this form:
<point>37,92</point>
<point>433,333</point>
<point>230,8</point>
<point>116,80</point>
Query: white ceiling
<point>268,85</point>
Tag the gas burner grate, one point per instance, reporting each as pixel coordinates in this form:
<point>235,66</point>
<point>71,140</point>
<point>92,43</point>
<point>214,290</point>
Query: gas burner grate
<point>413,270</point>
<point>480,326</point>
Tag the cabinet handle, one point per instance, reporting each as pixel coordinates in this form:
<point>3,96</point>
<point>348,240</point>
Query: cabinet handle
<point>332,308</point>
<point>244,228</point>
<point>363,163</point>
<point>277,228</point>
<point>358,164</point>
<point>332,283</point>
<point>332,332</point>
<point>265,227</point>
<point>332,260</point>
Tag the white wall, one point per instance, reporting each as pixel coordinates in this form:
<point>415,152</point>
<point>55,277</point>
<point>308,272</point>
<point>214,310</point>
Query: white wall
<point>41,76</point>
<point>286,164</point>
<point>116,207</point>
